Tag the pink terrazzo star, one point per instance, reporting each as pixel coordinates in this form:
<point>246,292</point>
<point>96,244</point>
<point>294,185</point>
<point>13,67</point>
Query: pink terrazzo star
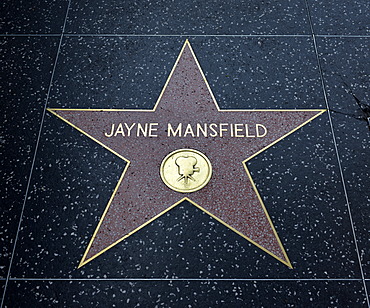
<point>230,197</point>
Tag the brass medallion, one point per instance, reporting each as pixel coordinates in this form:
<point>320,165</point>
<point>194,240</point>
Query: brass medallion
<point>186,170</point>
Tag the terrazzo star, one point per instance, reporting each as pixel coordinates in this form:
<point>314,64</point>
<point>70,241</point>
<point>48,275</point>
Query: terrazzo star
<point>152,182</point>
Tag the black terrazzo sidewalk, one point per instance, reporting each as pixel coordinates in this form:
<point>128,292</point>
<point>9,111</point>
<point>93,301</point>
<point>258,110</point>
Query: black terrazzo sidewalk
<point>315,183</point>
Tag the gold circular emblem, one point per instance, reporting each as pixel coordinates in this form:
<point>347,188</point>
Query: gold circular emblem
<point>186,170</point>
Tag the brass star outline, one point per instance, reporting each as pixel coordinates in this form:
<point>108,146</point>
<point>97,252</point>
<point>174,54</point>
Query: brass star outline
<point>59,113</point>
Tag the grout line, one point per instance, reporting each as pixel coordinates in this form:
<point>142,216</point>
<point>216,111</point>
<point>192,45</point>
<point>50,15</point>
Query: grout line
<point>29,34</point>
<point>178,35</point>
<point>188,35</point>
<point>155,35</point>
<point>337,153</point>
<point>183,279</point>
<point>34,157</point>
<point>342,35</point>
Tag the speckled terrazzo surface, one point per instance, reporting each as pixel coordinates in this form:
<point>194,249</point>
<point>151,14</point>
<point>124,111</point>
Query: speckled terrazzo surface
<point>56,182</point>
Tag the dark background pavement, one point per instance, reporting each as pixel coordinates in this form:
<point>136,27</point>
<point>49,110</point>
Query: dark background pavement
<point>118,54</point>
